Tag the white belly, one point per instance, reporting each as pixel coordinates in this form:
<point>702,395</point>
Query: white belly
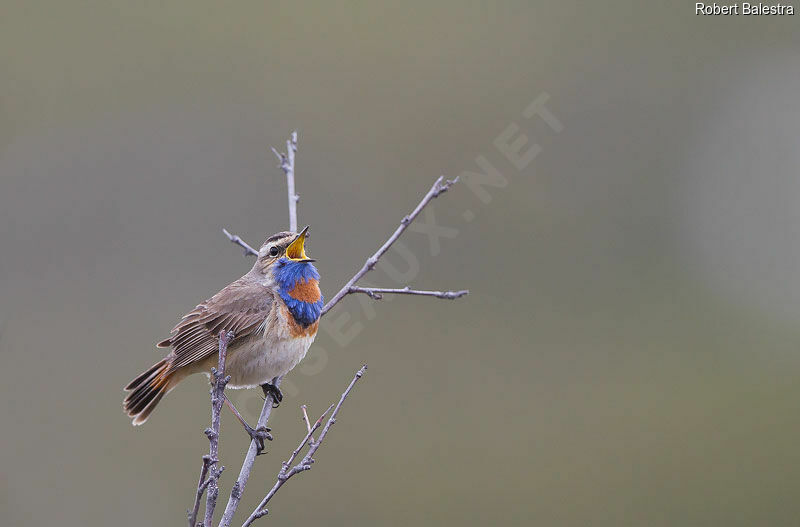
<point>261,359</point>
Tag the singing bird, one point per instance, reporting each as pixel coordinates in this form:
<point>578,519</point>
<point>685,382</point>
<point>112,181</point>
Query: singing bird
<point>273,312</point>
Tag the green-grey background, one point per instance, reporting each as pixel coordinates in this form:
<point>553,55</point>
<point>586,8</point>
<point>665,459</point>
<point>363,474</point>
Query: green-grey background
<point>628,354</point>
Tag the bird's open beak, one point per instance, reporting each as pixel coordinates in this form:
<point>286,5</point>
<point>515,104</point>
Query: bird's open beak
<point>296,250</point>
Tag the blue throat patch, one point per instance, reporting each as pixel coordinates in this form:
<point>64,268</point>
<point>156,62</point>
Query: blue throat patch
<point>288,273</point>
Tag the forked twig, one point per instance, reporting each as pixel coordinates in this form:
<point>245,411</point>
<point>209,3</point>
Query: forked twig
<point>440,186</point>
<point>211,466</point>
<point>287,470</point>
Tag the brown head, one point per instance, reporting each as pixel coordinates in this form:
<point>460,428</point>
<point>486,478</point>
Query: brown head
<point>286,244</point>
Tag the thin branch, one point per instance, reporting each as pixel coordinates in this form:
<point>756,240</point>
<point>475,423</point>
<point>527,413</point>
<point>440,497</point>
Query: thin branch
<point>211,460</point>
<point>377,293</point>
<point>304,409</point>
<point>287,165</point>
<point>305,464</point>
<point>201,487</point>
<point>440,186</point>
<point>241,243</point>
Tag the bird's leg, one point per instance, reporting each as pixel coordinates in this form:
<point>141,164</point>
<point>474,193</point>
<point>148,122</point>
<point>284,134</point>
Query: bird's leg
<point>258,435</point>
<point>274,391</point>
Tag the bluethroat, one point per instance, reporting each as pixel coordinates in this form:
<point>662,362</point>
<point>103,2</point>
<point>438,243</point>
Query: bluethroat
<point>273,312</point>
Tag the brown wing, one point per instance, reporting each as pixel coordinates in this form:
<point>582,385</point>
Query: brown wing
<point>240,307</point>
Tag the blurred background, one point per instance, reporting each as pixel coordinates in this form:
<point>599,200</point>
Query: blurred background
<point>628,354</point>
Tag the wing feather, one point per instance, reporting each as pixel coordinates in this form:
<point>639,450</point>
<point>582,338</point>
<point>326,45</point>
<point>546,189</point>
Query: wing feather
<point>241,307</point>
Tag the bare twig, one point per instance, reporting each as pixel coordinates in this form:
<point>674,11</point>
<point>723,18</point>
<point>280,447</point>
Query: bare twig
<point>439,186</point>
<point>211,460</point>
<point>201,487</point>
<point>378,292</point>
<point>287,165</point>
<point>304,409</point>
<point>241,243</point>
<point>287,471</point>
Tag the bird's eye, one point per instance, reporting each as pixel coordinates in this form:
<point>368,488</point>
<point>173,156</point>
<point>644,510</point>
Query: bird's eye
<point>273,251</point>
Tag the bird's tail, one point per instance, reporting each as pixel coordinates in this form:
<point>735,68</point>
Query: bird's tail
<point>146,390</point>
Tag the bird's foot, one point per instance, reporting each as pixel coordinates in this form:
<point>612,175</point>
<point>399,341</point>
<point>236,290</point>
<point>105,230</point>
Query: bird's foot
<point>274,391</point>
<point>259,435</point>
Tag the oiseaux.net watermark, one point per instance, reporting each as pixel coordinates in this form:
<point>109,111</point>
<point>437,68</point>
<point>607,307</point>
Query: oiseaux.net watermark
<point>400,265</point>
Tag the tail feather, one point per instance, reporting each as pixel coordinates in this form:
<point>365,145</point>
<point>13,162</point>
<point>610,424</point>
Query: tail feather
<point>140,399</point>
<point>146,391</point>
<point>153,370</point>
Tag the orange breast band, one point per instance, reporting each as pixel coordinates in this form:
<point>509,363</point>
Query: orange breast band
<point>306,291</point>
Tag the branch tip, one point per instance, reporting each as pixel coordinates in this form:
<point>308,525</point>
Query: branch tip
<point>378,292</point>
<point>247,250</point>
<point>439,186</point>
